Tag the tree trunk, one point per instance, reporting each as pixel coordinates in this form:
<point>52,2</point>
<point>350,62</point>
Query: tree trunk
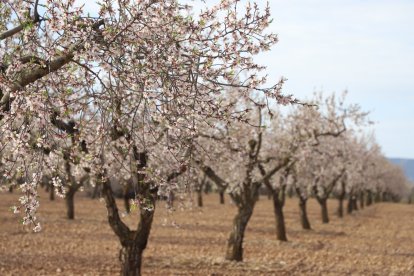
<point>324,210</point>
<point>350,206</point>
<point>235,241</point>
<point>341,207</point>
<point>51,191</point>
<point>207,188</point>
<point>280,219</point>
<point>304,214</point>
<point>361,200</point>
<point>95,191</point>
<point>170,199</point>
<point>133,242</point>
<point>369,198</point>
<point>70,204</point>
<point>127,204</point>
<point>290,192</point>
<point>200,198</point>
<point>127,195</point>
<point>341,198</point>
<point>384,197</point>
<point>221,192</point>
<point>354,203</point>
<point>377,197</point>
<point>131,257</point>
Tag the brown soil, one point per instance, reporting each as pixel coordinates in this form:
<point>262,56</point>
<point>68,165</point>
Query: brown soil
<point>378,240</point>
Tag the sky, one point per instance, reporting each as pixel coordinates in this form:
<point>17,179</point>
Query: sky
<point>363,46</point>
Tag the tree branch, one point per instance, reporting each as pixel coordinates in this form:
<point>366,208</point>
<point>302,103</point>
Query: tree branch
<point>29,76</point>
<point>36,19</point>
<point>119,227</point>
<point>213,176</point>
<point>268,175</point>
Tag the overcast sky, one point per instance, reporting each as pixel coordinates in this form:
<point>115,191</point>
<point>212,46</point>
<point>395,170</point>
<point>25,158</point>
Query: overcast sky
<point>363,46</point>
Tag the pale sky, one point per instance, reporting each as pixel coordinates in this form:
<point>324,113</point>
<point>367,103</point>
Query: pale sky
<point>363,46</point>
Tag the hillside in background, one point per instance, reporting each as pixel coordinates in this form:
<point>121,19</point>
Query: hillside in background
<point>407,165</point>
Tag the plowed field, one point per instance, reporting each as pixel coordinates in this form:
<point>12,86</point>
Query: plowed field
<point>378,240</point>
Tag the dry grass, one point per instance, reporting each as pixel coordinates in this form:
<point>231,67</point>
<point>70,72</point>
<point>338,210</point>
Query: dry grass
<point>378,240</point>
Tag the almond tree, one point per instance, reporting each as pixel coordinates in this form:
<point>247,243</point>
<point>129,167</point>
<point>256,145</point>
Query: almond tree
<point>278,193</point>
<point>200,183</point>
<point>291,139</point>
<point>389,180</point>
<point>151,72</point>
<point>338,120</point>
<point>297,139</point>
<point>324,182</point>
<point>359,155</point>
<point>281,147</point>
<point>231,163</point>
<point>365,167</point>
<point>302,176</point>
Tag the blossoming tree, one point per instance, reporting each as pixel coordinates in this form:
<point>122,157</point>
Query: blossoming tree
<point>124,87</point>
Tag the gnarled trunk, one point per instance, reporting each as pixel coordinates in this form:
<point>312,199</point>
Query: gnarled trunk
<point>134,244</point>
<point>131,259</point>
<point>235,242</point>
<point>280,219</point>
<point>304,214</point>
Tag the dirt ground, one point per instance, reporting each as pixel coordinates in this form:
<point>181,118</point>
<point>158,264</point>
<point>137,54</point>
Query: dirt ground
<point>378,240</point>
